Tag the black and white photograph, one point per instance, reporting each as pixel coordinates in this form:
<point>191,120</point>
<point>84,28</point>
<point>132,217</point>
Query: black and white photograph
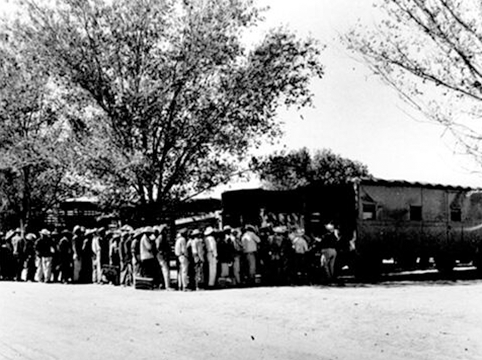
<point>241,179</point>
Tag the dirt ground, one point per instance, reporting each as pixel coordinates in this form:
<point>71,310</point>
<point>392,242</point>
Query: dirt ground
<point>396,320</point>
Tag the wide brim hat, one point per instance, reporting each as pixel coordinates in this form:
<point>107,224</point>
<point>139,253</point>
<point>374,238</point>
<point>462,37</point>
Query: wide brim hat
<point>330,227</point>
<point>280,230</point>
<point>250,227</point>
<point>76,229</point>
<point>127,228</point>
<point>44,232</point>
<point>195,232</point>
<point>90,231</point>
<point>160,228</point>
<point>143,230</point>
<point>209,231</point>
<point>147,230</point>
<point>30,236</point>
<point>9,234</point>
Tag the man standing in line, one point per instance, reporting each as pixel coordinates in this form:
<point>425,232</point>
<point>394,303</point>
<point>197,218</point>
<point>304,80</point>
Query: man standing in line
<point>30,257</point>
<point>225,255</point>
<point>126,275</point>
<point>300,246</point>
<point>18,251</point>
<point>163,255</point>
<point>44,249</point>
<point>198,253</point>
<point>149,264</point>
<point>65,257</point>
<point>250,246</point>
<point>237,253</point>
<point>77,242</point>
<point>136,254</point>
<point>211,255</point>
<point>96,258</point>
<point>180,249</point>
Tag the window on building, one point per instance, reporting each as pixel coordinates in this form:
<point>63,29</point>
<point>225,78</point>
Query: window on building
<point>415,213</point>
<point>456,214</point>
<point>369,211</point>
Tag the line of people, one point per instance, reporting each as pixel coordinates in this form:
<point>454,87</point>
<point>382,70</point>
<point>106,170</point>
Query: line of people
<point>204,260</point>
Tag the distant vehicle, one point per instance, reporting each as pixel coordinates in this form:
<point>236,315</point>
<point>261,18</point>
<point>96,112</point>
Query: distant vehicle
<point>409,223</point>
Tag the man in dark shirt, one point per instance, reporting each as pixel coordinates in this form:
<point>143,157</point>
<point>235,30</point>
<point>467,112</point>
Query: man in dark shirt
<point>328,250</point>
<point>163,254</point>
<point>44,249</point>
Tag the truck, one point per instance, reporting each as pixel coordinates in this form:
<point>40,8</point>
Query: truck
<point>411,224</point>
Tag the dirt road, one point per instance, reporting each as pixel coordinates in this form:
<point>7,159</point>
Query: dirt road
<point>401,320</point>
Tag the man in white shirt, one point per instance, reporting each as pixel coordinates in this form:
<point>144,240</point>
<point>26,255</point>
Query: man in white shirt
<point>211,255</point>
<point>250,243</point>
<point>181,252</point>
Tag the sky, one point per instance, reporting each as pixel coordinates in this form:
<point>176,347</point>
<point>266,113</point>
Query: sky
<point>355,114</point>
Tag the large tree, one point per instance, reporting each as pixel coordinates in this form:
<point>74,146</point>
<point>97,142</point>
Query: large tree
<point>178,93</point>
<point>290,170</point>
<point>33,140</point>
<point>431,52</point>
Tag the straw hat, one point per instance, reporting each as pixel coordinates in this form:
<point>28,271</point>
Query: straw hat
<point>209,230</point>
<point>195,232</point>
<point>44,232</point>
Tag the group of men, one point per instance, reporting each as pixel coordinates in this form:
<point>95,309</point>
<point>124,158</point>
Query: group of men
<point>204,259</point>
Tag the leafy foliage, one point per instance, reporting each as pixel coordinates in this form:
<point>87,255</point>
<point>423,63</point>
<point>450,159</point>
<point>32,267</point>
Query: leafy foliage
<point>177,96</point>
<point>33,140</point>
<point>431,52</point>
<point>282,171</point>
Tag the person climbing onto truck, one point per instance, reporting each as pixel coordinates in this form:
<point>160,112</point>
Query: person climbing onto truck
<point>328,246</point>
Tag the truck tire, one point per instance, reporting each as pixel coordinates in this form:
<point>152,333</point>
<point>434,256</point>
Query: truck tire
<point>368,267</point>
<point>445,263</point>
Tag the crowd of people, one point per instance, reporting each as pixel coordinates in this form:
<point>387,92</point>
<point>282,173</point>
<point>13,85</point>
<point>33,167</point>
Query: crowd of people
<point>206,259</point>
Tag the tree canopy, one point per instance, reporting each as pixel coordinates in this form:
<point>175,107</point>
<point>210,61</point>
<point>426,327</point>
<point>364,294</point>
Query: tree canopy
<point>431,52</point>
<point>290,170</point>
<point>175,95</point>
<point>33,140</point>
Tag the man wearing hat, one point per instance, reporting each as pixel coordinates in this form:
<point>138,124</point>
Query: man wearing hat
<point>250,247</point>
<point>180,249</point>
<point>198,254</point>
<point>30,257</point>
<point>100,254</point>
<point>85,276</point>
<point>44,249</point>
<point>300,247</point>
<point>163,255</point>
<point>149,264</point>
<point>77,242</point>
<point>225,254</point>
<point>329,243</point>
<point>6,257</point>
<point>126,273</point>
<point>18,252</point>
<point>65,257</point>
<point>211,255</point>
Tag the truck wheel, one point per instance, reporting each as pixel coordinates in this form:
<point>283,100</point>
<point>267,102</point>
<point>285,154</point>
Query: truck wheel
<point>368,267</point>
<point>445,263</point>
<point>478,259</point>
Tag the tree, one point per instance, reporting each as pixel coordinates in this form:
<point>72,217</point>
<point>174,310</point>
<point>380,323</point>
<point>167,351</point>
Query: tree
<point>283,171</point>
<point>178,95</point>
<point>33,140</point>
<point>431,53</point>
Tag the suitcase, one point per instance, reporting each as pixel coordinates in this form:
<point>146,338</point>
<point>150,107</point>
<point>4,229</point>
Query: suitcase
<point>143,283</point>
